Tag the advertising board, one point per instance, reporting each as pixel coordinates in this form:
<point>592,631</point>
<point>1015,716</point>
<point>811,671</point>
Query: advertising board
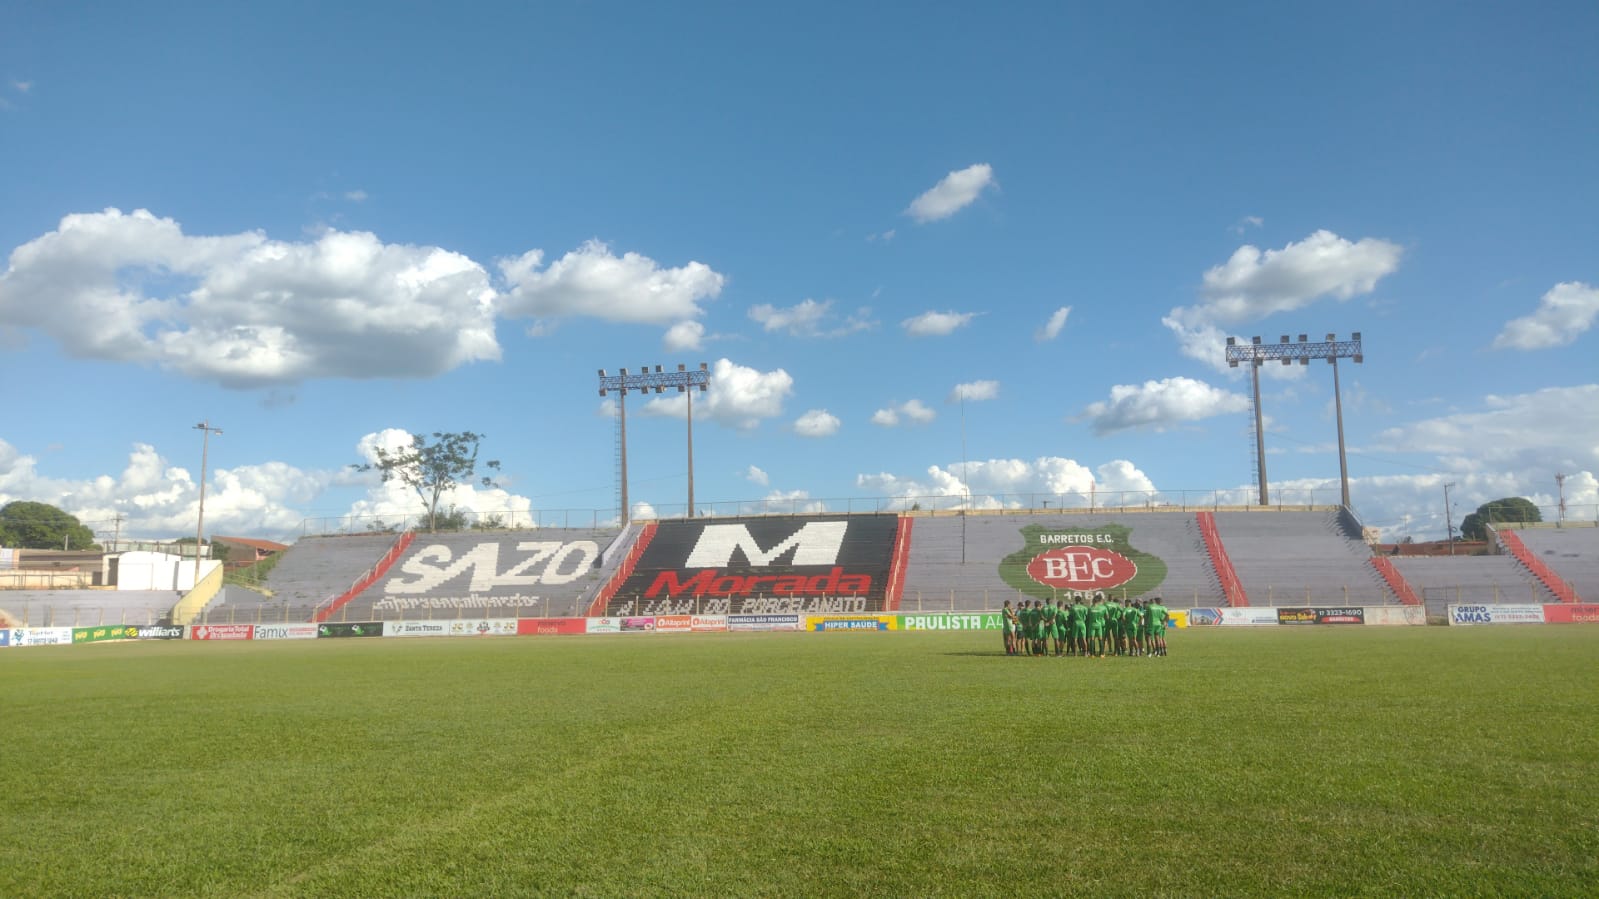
<point>638,625</point>
<point>852,623</point>
<point>1245,617</point>
<point>502,571</point>
<point>707,624</point>
<point>483,627</point>
<point>154,632</point>
<point>603,626</point>
<point>5,637</point>
<point>763,622</point>
<point>222,632</point>
<point>674,624</point>
<point>1571,613</point>
<point>416,628</point>
<point>1491,614</point>
<point>970,621</point>
<point>41,636</point>
<point>762,566</point>
<point>99,634</point>
<point>528,627</point>
<point>1320,615</point>
<point>350,629</point>
<point>1396,615</point>
<point>297,631</point>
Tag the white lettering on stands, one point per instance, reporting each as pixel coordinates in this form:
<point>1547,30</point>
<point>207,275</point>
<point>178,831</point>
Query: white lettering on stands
<point>815,543</point>
<point>1077,567</point>
<point>1075,539</point>
<point>431,566</point>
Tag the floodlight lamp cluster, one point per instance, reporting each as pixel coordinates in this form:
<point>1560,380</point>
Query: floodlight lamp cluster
<point>645,380</point>
<point>1258,353</point>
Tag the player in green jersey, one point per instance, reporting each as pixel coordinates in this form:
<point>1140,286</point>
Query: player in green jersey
<point>1063,626</point>
<point>1157,626</point>
<point>1096,626</point>
<point>1008,625</point>
<point>1079,622</point>
<point>1057,616</point>
<point>1113,625</point>
<point>1024,631</point>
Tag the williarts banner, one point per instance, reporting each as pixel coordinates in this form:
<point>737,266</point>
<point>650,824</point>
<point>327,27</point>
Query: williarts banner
<point>762,566</point>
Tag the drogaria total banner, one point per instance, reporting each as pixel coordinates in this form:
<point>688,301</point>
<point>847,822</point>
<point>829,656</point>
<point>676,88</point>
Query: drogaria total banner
<point>762,566</point>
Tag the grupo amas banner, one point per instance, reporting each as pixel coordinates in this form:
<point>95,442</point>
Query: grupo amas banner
<point>1503,614</point>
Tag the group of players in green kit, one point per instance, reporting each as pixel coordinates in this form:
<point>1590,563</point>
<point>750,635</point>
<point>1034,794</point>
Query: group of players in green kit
<point>1078,627</point>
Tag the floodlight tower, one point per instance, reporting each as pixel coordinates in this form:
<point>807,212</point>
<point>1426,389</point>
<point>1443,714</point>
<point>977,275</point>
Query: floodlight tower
<point>685,380</point>
<point>1332,349</point>
<point>199,528</point>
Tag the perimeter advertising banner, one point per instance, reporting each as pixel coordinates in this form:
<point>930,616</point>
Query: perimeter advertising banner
<point>154,631</point>
<point>1486,614</point>
<point>638,625</point>
<point>285,632</point>
<point>5,637</point>
<point>484,627</point>
<point>222,632</point>
<point>674,624</point>
<point>41,636</point>
<point>99,634</point>
<point>416,628</point>
<point>529,627</point>
<point>1571,613</point>
<point>1318,615</point>
<point>1396,615</point>
<point>350,629</point>
<point>970,621</point>
<point>852,623</point>
<point>767,566</point>
<point>761,623</point>
<point>603,626</point>
<point>708,624</point>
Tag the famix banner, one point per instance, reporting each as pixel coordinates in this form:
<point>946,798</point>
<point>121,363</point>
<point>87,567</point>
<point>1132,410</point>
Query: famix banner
<point>154,632</point>
<point>416,628</point>
<point>1316,615</point>
<point>674,624</point>
<point>222,632</point>
<point>763,622</point>
<point>484,627</point>
<point>297,631</point>
<point>1571,613</point>
<point>528,627</point>
<point>852,623</point>
<point>972,621</point>
<point>41,636</point>
<point>1486,614</point>
<point>351,629</point>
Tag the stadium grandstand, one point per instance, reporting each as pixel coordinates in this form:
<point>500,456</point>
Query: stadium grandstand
<point>1286,558</point>
<point>1570,550</point>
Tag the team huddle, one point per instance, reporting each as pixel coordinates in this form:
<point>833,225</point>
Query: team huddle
<point>1080,628</point>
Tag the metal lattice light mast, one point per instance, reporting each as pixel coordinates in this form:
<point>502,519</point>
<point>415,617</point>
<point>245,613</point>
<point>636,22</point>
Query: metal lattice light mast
<point>1257,354</point>
<point>645,381</point>
<point>199,529</point>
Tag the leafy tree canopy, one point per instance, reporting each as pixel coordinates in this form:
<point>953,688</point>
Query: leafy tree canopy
<point>433,468</point>
<point>1510,508</point>
<point>28,525</point>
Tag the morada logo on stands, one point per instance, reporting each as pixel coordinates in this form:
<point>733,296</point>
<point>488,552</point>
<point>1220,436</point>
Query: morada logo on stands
<point>721,546</point>
<point>1056,561</point>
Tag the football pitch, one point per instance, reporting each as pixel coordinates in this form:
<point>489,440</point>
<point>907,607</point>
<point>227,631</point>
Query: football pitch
<point>1383,761</point>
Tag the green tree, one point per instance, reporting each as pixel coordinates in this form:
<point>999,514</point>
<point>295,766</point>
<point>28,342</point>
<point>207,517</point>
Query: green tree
<point>1510,508</point>
<point>29,525</point>
<point>432,468</point>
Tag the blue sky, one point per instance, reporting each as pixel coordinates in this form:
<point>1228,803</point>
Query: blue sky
<point>317,228</point>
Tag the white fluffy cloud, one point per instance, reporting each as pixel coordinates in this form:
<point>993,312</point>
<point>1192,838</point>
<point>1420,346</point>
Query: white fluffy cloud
<point>1052,328</point>
<point>244,310</point>
<point>810,318</point>
<point>592,281</point>
<point>738,396</point>
<point>1564,313</point>
<point>936,324</point>
<point>394,502</point>
<point>1254,284</point>
<point>950,195</point>
<point>1541,431</point>
<point>1161,404</point>
<point>816,423</point>
<point>755,475</point>
<point>974,391</point>
<point>909,412</point>
<point>1010,483</point>
<point>684,336</point>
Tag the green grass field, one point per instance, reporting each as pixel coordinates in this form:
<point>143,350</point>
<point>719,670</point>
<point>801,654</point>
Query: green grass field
<point>1403,761</point>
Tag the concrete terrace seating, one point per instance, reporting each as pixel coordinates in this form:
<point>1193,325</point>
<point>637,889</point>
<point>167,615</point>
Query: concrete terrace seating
<point>1442,580</point>
<point>1572,553</point>
<point>309,572</point>
<point>87,608</point>
<point>936,578</point>
<point>1291,558</point>
<point>485,574</point>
